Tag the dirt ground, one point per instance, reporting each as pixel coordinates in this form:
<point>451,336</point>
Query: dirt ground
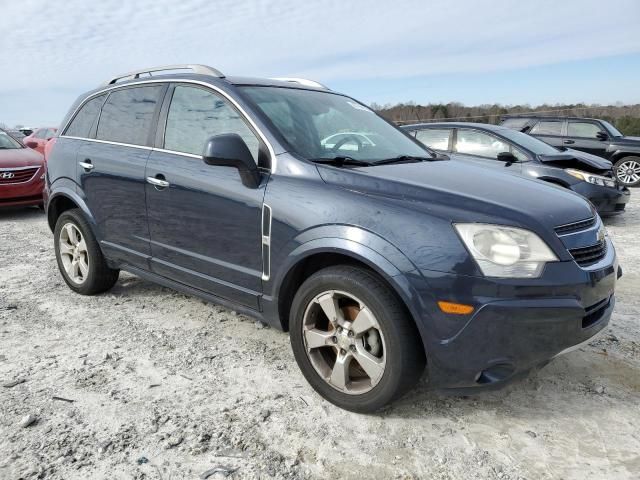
<point>144,382</point>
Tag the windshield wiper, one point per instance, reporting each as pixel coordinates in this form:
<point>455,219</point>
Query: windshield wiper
<point>402,159</point>
<point>341,160</point>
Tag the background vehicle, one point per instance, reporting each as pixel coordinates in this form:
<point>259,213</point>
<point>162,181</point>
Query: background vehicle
<point>26,131</point>
<point>375,261</point>
<point>510,151</point>
<point>590,135</point>
<point>39,138</point>
<point>21,173</point>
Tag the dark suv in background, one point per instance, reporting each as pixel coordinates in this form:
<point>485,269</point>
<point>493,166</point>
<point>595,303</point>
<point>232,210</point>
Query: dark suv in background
<point>590,135</point>
<point>509,151</point>
<point>378,256</point>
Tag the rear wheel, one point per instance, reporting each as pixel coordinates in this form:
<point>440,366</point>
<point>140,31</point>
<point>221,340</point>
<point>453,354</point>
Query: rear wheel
<point>79,257</point>
<point>353,339</point>
<point>627,170</point>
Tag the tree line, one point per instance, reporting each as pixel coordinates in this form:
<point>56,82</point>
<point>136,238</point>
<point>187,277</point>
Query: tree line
<point>626,118</point>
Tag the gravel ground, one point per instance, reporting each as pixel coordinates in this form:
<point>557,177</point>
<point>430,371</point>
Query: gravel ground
<point>144,382</point>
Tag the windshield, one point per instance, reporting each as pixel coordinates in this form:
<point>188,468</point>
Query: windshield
<point>7,142</point>
<point>324,125</point>
<point>530,143</point>
<point>612,130</point>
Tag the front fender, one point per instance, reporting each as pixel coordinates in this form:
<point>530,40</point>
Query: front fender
<point>361,245</point>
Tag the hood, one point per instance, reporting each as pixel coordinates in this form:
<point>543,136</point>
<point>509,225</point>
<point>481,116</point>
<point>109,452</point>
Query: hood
<point>626,141</point>
<point>19,157</point>
<point>576,159</point>
<point>459,191</point>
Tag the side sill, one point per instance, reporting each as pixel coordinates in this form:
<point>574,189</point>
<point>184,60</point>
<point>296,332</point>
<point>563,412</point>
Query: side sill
<point>165,282</point>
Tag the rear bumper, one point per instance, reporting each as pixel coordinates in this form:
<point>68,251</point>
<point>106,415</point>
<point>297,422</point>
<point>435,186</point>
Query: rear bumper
<point>23,194</point>
<point>608,201</point>
<point>516,326</point>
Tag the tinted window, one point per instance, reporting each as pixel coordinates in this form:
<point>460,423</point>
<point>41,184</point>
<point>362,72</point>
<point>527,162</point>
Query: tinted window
<point>436,138</point>
<point>515,123</point>
<point>582,129</point>
<point>547,128</point>
<point>127,115</point>
<point>196,114</point>
<point>83,121</point>
<point>530,143</point>
<point>482,144</point>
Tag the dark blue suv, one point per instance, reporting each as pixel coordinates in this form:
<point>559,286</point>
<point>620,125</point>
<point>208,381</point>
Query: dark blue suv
<point>300,206</point>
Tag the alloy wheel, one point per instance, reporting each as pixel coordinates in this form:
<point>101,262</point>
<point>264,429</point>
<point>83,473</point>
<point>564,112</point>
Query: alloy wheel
<point>73,253</point>
<point>629,172</point>
<point>344,342</point>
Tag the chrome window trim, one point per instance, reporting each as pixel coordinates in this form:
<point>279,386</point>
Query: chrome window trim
<point>143,147</point>
<point>218,90</point>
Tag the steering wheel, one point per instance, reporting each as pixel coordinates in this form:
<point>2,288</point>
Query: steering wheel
<point>340,143</point>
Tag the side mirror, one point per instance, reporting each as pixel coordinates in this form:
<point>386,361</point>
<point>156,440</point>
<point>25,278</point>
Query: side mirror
<point>602,136</point>
<point>32,144</point>
<point>230,150</point>
<point>507,157</point>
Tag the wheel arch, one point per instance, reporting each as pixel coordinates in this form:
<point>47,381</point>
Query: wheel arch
<point>63,199</point>
<point>315,255</point>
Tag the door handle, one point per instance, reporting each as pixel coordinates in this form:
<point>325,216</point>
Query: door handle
<point>569,142</point>
<point>86,164</point>
<point>158,181</point>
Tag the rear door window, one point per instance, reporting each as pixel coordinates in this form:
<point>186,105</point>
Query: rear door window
<point>547,128</point>
<point>83,121</point>
<point>196,114</point>
<point>127,116</point>
<point>583,129</point>
<point>436,138</point>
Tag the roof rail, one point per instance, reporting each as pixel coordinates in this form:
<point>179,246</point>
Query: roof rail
<point>196,68</point>
<point>302,81</point>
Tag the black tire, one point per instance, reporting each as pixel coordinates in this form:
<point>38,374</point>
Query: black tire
<point>405,358</point>
<point>620,174</point>
<point>100,277</point>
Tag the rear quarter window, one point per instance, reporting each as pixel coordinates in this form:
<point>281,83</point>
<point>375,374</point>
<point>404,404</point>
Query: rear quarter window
<point>81,124</point>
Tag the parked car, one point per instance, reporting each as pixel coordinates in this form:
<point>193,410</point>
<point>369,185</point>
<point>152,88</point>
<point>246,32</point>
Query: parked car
<point>21,173</point>
<point>39,138</point>
<point>378,260</point>
<point>590,135</point>
<point>509,151</point>
<point>26,131</point>
<point>16,134</point>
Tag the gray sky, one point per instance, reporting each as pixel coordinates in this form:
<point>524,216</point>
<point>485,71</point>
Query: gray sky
<point>471,51</point>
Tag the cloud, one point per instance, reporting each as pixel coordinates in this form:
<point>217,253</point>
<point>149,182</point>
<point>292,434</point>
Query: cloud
<point>76,45</point>
<point>83,42</point>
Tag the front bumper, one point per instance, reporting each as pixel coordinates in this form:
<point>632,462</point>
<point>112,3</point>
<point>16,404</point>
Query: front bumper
<point>607,200</point>
<point>517,325</point>
<point>24,193</point>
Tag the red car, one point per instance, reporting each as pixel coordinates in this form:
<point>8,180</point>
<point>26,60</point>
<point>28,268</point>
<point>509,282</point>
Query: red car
<point>21,173</point>
<point>39,138</point>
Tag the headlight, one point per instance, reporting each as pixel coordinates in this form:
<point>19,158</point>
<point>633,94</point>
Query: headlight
<point>506,252</point>
<point>591,178</point>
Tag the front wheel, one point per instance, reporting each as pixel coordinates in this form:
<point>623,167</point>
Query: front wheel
<point>627,170</point>
<point>79,256</point>
<point>353,340</point>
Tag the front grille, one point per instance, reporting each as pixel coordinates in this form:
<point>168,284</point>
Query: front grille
<point>586,256</point>
<point>576,226</point>
<point>17,176</point>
